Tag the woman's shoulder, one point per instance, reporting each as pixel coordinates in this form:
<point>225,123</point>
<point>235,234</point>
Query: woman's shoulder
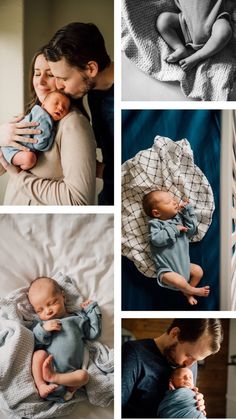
<point>74,116</point>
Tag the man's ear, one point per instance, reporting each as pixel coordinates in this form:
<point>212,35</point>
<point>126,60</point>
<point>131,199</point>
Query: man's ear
<point>155,213</point>
<point>92,67</point>
<point>174,333</point>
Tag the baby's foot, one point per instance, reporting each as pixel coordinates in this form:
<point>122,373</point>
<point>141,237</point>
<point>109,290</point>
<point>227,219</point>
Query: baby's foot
<point>189,62</point>
<point>191,299</point>
<point>203,291</point>
<point>49,374</point>
<point>45,389</point>
<point>177,55</point>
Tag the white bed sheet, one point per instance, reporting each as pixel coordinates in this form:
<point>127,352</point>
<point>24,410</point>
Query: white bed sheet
<point>80,246</point>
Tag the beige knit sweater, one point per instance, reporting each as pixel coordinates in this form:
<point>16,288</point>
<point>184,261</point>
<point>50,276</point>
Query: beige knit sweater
<point>64,175</point>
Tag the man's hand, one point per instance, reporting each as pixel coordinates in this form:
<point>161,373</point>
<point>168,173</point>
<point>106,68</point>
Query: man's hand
<point>52,325</point>
<point>181,228</point>
<point>200,402</point>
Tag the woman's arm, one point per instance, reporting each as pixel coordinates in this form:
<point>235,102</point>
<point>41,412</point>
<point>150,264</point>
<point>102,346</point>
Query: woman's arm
<point>78,160</point>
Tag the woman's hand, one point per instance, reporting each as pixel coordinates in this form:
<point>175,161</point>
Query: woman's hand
<point>12,132</point>
<point>10,169</point>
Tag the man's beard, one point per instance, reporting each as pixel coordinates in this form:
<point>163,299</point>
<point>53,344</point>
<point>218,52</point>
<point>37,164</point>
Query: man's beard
<point>169,354</point>
<point>89,83</point>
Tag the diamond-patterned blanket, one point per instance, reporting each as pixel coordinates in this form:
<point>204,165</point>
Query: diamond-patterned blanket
<point>168,166</point>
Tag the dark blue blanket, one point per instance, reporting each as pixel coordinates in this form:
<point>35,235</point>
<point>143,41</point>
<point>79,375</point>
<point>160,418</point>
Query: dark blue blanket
<point>180,403</point>
<point>202,129</point>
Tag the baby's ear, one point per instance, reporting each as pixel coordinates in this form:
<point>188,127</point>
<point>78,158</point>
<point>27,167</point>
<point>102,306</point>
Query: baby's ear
<point>155,213</point>
<point>171,386</point>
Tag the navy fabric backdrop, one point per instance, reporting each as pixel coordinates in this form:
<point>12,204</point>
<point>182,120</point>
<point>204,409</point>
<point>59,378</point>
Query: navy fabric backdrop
<point>202,130</point>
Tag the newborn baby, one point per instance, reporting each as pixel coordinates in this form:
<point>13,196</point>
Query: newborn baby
<point>170,227</point>
<point>179,400</point>
<point>55,106</point>
<point>59,362</point>
<point>200,30</point>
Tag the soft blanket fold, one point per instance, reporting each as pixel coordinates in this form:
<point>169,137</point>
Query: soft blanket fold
<point>210,80</point>
<point>169,166</point>
<point>180,403</point>
<point>18,394</point>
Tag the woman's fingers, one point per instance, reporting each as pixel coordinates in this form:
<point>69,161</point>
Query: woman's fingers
<point>25,124</point>
<point>17,118</point>
<point>24,139</point>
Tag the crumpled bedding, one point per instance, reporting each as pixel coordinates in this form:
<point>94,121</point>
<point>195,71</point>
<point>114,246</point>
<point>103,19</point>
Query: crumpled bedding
<point>211,80</point>
<point>180,403</point>
<point>79,245</point>
<point>169,166</point>
<point>17,390</point>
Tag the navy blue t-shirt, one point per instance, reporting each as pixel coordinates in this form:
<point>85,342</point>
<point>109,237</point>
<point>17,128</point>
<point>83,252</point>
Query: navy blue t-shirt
<point>145,378</point>
<point>101,104</point>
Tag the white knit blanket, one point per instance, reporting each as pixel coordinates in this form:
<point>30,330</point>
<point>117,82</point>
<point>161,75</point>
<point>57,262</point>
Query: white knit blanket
<point>18,395</point>
<point>210,80</point>
<point>168,166</point>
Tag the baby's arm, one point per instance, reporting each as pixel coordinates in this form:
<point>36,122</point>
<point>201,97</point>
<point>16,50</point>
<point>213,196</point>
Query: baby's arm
<point>190,219</point>
<point>161,235</point>
<point>46,137</point>
<point>92,327</point>
<point>41,335</point>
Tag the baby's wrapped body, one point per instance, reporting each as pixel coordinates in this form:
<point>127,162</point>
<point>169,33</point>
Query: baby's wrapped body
<point>67,345</point>
<point>179,403</point>
<point>44,139</point>
<point>197,18</point>
<point>169,246</point>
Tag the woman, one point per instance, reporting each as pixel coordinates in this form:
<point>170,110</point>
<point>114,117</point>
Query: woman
<point>64,175</point>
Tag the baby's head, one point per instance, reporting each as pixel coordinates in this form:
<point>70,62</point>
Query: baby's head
<point>47,298</point>
<point>182,377</point>
<point>160,204</point>
<point>57,104</point>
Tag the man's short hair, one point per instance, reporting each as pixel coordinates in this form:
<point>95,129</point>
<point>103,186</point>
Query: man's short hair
<point>78,43</point>
<point>192,329</point>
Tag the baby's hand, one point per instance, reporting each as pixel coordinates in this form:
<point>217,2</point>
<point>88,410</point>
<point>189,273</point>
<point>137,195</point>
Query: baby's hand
<point>183,204</point>
<point>85,303</point>
<point>51,325</point>
<point>182,228</point>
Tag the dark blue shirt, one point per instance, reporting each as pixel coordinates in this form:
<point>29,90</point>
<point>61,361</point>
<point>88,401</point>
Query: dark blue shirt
<point>101,104</point>
<point>145,378</point>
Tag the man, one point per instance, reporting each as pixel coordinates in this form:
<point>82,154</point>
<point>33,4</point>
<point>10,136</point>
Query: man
<point>78,59</point>
<point>147,363</point>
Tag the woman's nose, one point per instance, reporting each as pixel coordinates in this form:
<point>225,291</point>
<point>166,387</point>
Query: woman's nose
<point>42,80</point>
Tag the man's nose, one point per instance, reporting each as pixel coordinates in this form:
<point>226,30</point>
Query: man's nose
<point>59,84</point>
<point>188,362</point>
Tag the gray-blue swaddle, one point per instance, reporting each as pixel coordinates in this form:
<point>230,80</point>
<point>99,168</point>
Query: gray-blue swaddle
<point>179,403</point>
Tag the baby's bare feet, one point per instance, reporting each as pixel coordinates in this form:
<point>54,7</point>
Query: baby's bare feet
<point>177,55</point>
<point>191,299</point>
<point>189,62</point>
<point>45,389</point>
<point>203,291</point>
<point>49,374</point>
